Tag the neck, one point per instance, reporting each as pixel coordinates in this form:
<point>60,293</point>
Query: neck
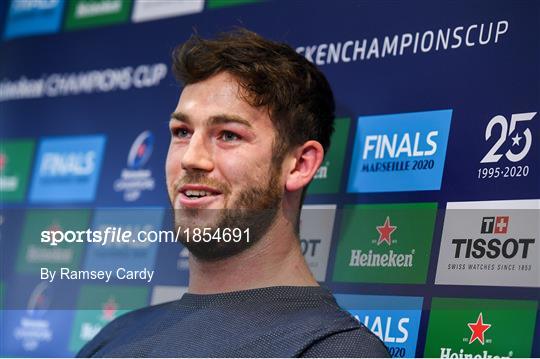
<point>275,260</point>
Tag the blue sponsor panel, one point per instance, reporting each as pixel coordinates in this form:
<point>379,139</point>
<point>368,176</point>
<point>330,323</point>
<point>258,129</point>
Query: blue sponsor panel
<point>173,259</point>
<point>37,320</point>
<point>29,17</point>
<point>31,334</point>
<point>117,249</point>
<point>11,224</point>
<point>67,169</point>
<point>400,152</point>
<point>136,176</point>
<point>395,320</point>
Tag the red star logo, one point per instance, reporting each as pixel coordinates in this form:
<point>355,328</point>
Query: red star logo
<point>3,160</point>
<point>55,227</point>
<point>385,232</point>
<point>478,329</point>
<point>109,309</point>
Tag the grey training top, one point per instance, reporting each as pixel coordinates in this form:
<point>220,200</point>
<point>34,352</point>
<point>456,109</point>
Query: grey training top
<point>263,322</point>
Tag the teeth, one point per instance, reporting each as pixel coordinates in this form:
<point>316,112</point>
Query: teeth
<point>195,193</point>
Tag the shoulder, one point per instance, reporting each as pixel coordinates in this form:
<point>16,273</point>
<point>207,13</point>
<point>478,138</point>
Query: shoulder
<point>127,321</point>
<point>353,343</point>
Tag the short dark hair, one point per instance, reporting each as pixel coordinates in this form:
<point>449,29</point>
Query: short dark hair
<point>297,95</point>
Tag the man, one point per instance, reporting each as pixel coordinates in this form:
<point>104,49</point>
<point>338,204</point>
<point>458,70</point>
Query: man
<point>247,136</point>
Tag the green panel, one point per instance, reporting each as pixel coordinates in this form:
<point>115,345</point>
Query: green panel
<point>328,177</point>
<point>507,331</point>
<point>15,161</point>
<point>214,4</point>
<point>98,305</point>
<point>92,13</point>
<point>365,255</point>
<point>33,254</point>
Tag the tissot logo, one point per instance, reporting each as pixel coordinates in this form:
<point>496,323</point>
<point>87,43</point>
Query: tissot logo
<point>146,10</point>
<point>496,225</point>
<point>490,243</point>
<point>400,152</point>
<point>67,169</point>
<point>316,225</point>
<point>493,248</point>
<point>166,293</point>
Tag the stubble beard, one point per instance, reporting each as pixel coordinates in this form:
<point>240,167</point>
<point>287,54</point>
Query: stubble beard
<point>254,212</point>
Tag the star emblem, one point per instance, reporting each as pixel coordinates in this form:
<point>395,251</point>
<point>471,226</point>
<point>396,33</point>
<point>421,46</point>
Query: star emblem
<point>516,139</point>
<point>385,232</point>
<point>109,309</point>
<point>478,329</point>
<point>3,160</point>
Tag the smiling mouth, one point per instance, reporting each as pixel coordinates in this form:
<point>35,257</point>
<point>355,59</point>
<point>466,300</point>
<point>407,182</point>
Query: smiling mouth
<point>197,195</point>
<point>194,194</point>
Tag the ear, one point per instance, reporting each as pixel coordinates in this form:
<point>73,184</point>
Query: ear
<point>305,162</point>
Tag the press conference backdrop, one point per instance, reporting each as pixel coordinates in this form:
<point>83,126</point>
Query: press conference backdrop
<point>423,218</point>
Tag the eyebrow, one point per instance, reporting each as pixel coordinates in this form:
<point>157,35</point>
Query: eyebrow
<point>214,120</point>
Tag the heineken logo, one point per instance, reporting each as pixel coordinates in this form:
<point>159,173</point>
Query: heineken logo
<point>478,329</point>
<point>448,353</point>
<point>390,259</point>
<point>385,243</point>
<point>322,172</point>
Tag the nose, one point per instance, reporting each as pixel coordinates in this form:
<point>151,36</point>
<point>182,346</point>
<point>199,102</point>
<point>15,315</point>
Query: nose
<point>198,155</point>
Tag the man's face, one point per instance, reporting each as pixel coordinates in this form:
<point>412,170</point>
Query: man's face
<point>219,166</point>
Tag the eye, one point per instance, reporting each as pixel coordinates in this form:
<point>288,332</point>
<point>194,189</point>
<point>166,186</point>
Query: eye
<point>228,136</point>
<point>181,132</point>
